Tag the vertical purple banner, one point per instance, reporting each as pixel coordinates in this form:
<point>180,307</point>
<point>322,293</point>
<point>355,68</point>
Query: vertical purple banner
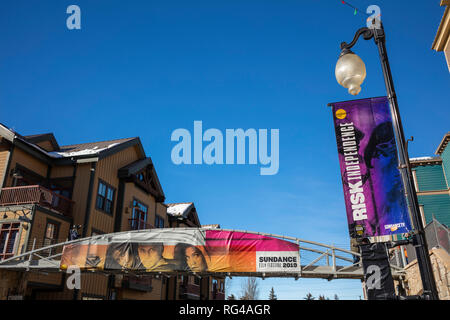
<point>373,189</point>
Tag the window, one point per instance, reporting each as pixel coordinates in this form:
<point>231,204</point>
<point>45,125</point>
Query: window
<point>105,197</point>
<point>159,222</point>
<point>139,217</point>
<point>8,235</point>
<point>51,235</point>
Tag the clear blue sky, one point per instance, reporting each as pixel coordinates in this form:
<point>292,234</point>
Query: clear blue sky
<point>146,68</point>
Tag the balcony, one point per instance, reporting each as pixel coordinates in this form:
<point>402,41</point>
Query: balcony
<point>138,224</point>
<point>36,194</point>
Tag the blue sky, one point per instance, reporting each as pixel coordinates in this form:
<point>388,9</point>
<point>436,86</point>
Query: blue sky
<point>146,68</point>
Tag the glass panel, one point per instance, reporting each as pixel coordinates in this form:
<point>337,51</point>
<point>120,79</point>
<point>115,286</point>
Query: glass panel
<point>110,195</point>
<point>3,236</point>
<point>100,201</point>
<point>101,189</point>
<point>50,233</point>
<point>108,206</point>
<point>11,241</point>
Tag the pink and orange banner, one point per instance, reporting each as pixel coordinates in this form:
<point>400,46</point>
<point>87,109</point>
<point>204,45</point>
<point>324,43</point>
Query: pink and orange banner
<point>184,250</point>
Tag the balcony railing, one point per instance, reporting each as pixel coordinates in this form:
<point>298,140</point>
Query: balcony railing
<point>36,194</point>
<point>138,224</point>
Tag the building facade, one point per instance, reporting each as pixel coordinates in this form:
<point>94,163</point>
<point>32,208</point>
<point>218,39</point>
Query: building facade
<point>100,187</point>
<point>431,178</point>
<point>442,40</point>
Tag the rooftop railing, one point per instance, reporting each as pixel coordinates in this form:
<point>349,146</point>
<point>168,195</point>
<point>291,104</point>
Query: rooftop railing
<point>36,194</point>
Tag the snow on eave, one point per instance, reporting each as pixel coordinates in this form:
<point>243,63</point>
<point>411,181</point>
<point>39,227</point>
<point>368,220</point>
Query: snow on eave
<point>84,152</point>
<point>178,209</point>
<point>423,158</point>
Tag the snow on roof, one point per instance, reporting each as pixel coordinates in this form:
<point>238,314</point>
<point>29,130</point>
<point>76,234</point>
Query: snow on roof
<point>422,158</point>
<point>425,159</point>
<point>178,209</point>
<point>211,226</point>
<point>82,152</point>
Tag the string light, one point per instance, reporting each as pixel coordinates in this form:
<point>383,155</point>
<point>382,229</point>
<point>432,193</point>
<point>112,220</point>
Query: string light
<point>355,9</point>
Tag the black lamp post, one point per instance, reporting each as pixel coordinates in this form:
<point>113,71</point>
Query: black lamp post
<point>350,73</point>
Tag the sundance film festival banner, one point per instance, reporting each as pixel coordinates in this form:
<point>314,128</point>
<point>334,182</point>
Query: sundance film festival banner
<point>183,250</point>
<point>373,188</point>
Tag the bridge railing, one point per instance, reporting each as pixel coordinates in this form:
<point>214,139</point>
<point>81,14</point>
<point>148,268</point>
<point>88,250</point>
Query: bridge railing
<point>326,261</point>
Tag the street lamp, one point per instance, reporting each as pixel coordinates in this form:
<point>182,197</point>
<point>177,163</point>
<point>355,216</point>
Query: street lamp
<point>350,73</point>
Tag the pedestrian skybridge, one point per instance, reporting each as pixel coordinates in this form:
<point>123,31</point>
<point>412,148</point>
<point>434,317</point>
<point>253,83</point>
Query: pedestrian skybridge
<point>221,252</point>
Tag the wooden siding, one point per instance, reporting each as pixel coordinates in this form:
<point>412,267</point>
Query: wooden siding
<point>4,156</point>
<point>46,145</point>
<point>94,284</point>
<point>133,192</point>
<point>430,178</point>
<point>39,224</point>
<point>61,172</point>
<point>158,292</point>
<point>80,192</point>
<point>107,170</point>
<point>28,161</point>
<point>161,210</point>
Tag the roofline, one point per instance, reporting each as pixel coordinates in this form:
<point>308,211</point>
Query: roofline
<point>43,137</point>
<point>425,162</point>
<point>121,146</point>
<point>167,204</point>
<point>7,133</point>
<point>443,144</point>
<point>38,152</point>
<point>189,209</point>
<point>443,31</point>
<point>191,205</point>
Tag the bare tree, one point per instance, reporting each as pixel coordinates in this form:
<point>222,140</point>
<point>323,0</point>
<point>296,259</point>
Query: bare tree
<point>309,296</point>
<point>250,290</point>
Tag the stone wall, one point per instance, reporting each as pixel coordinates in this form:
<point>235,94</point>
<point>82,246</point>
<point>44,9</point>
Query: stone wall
<point>440,261</point>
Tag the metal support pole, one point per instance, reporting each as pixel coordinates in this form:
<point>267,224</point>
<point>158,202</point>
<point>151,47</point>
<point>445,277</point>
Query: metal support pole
<point>423,259</point>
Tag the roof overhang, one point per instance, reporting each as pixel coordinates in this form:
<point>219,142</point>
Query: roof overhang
<point>43,137</point>
<point>426,161</point>
<point>128,173</point>
<point>443,144</point>
<point>442,35</point>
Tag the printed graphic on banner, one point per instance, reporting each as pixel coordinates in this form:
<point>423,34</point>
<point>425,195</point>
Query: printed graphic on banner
<point>377,272</point>
<point>184,250</point>
<point>373,188</point>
